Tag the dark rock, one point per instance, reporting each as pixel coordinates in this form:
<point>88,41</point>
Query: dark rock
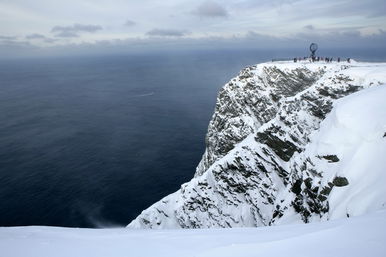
<point>326,190</point>
<point>340,181</point>
<point>296,187</point>
<point>331,158</point>
<point>283,149</point>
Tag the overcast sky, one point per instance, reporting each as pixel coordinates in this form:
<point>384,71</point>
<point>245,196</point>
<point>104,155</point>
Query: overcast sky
<point>51,25</point>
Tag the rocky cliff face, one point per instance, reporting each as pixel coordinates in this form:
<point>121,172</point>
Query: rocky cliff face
<point>247,102</point>
<point>263,162</point>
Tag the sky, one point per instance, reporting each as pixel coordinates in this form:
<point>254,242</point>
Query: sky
<point>53,26</point>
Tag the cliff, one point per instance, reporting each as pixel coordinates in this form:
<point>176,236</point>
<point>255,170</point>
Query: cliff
<point>288,142</point>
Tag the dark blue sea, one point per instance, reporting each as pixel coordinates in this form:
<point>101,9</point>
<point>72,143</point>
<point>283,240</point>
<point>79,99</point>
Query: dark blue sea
<point>92,141</point>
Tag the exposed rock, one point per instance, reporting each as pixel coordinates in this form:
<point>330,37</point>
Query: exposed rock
<point>330,158</point>
<point>340,181</point>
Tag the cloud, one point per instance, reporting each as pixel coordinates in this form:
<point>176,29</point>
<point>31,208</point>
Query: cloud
<point>35,36</point>
<point>369,8</point>
<point>66,34</point>
<point>41,38</point>
<point>74,30</point>
<point>167,33</point>
<point>309,27</point>
<point>210,9</point>
<point>130,23</point>
<point>7,37</point>
<point>10,48</point>
<point>266,4</point>
<point>212,23</point>
<point>50,40</point>
<point>344,43</point>
<point>336,9</point>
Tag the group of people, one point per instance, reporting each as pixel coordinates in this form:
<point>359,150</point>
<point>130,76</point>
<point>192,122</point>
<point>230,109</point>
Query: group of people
<point>318,59</point>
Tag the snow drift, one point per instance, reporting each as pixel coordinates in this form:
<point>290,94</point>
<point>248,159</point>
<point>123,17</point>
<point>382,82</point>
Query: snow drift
<point>358,236</point>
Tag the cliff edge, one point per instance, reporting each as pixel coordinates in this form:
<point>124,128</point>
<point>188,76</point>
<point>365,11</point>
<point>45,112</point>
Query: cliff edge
<point>287,143</point>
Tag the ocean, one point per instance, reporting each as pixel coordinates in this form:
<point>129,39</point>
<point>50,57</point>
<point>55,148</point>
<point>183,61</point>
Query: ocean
<point>92,141</point>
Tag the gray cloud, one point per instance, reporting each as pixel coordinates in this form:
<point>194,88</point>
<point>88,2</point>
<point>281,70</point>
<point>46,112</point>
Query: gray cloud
<point>210,9</point>
<point>167,33</point>
<point>10,48</point>
<point>74,30</point>
<point>66,34</point>
<point>309,27</point>
<point>50,40</point>
<point>40,37</point>
<point>290,23</point>
<point>349,38</point>
<point>130,23</point>
<point>369,8</point>
<point>35,36</point>
<point>333,9</point>
<point>7,37</point>
<point>329,43</point>
<point>265,4</point>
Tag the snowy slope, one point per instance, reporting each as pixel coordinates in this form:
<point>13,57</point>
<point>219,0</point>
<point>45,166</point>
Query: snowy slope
<point>358,236</point>
<point>283,148</point>
<point>355,131</point>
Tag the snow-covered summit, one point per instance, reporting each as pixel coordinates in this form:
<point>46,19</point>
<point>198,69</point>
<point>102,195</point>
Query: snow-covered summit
<point>288,142</point>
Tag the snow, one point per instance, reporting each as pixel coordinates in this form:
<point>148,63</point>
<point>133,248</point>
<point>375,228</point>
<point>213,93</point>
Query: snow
<point>358,236</point>
<point>354,131</point>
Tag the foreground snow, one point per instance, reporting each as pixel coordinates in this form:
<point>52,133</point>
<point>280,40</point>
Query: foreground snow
<point>358,236</point>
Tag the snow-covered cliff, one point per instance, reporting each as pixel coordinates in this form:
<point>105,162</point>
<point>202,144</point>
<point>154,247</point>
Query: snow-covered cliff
<point>287,144</point>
